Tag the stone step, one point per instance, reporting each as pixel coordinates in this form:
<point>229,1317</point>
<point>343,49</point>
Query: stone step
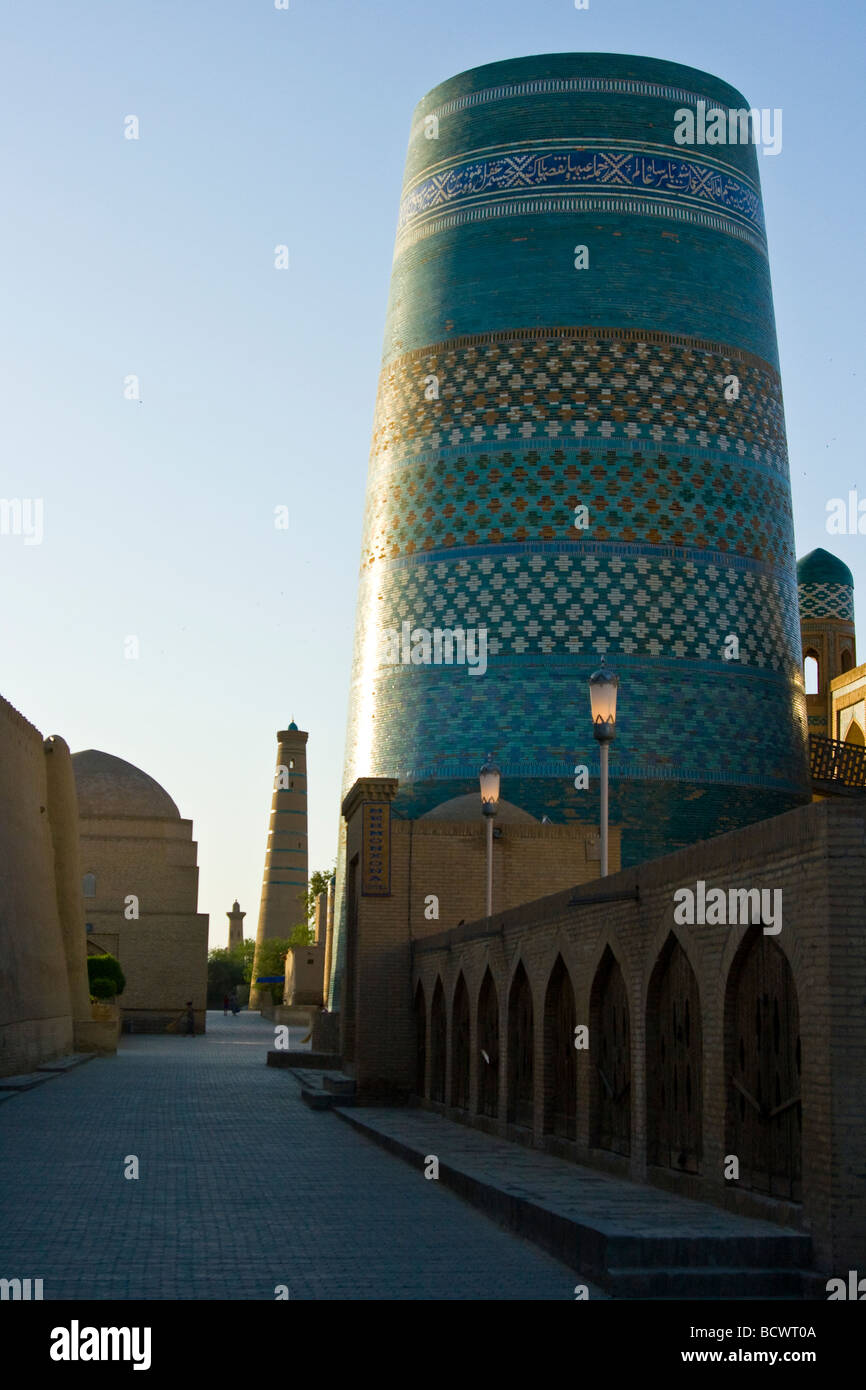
<point>75,1059</point>
<point>631,1240</point>
<point>320,1061</point>
<point>707,1282</point>
<point>25,1081</point>
<point>787,1250</point>
<point>316,1098</point>
<point>338,1083</point>
<point>324,1090</point>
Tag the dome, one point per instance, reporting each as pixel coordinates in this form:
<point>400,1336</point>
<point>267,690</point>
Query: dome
<point>293,726</point>
<point>108,786</point>
<point>469,808</point>
<point>820,567</point>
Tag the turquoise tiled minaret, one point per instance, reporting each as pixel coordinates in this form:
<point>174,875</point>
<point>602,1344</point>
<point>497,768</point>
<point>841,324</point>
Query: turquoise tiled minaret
<point>518,389</point>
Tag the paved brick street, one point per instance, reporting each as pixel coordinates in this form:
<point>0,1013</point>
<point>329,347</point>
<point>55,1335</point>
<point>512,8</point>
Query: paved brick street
<point>241,1188</point>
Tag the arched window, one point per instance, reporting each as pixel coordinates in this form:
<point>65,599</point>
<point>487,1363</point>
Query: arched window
<point>810,671</point>
<point>520,1051</point>
<point>488,1048</point>
<point>89,885</point>
<point>610,1054</point>
<point>674,1063</point>
<point>560,1057</point>
<point>420,1040</point>
<point>847,661</point>
<point>460,1046</point>
<point>437,1044</point>
<point>855,734</point>
<point>763,1065</point>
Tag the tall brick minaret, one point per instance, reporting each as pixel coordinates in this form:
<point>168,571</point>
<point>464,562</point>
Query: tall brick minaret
<point>286,869</point>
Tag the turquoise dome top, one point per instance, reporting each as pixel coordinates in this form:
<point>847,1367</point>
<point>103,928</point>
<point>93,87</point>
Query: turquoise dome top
<point>820,567</point>
<point>294,726</point>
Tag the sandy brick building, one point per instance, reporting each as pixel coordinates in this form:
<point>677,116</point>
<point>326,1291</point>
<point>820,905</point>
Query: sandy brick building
<point>140,887</point>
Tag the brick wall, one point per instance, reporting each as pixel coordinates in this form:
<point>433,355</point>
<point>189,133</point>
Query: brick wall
<point>817,857</point>
<point>35,1006</point>
<point>444,860</point>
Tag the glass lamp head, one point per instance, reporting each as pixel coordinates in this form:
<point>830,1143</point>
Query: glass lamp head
<point>602,694</point>
<point>489,778</point>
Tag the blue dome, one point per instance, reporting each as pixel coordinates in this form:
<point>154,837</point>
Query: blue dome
<point>820,567</point>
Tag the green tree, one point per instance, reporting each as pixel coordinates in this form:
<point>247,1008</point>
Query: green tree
<point>319,880</point>
<point>245,954</point>
<point>105,967</point>
<point>272,956</point>
<point>302,935</point>
<point>271,960</point>
<point>224,972</point>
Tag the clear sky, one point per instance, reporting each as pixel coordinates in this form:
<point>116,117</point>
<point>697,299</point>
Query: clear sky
<point>155,257</point>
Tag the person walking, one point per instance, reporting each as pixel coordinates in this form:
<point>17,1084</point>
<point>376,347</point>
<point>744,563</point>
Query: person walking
<point>226,1002</point>
<point>236,1008</point>
<point>190,1019</point>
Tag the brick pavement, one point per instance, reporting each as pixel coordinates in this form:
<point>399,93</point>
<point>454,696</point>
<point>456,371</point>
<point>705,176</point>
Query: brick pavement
<point>241,1188</point>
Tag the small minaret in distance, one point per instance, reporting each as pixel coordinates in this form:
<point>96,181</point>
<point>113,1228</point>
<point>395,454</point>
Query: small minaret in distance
<point>286,874</point>
<point>236,925</point>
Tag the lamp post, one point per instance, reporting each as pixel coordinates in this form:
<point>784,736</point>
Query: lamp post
<point>489,778</point>
<point>602,693</point>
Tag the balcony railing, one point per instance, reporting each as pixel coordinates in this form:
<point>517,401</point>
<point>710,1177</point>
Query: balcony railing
<point>843,764</point>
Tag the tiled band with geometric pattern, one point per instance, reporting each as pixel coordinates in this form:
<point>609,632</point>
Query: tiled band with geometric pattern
<point>488,442</point>
<point>534,717</point>
<point>548,383</point>
<point>827,601</point>
<point>589,599</point>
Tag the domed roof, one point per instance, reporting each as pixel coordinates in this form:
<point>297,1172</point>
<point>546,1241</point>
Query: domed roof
<point>469,808</point>
<point>820,567</point>
<point>108,786</point>
<point>294,726</point>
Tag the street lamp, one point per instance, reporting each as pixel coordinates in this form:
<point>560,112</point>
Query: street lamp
<point>489,779</point>
<point>602,693</point>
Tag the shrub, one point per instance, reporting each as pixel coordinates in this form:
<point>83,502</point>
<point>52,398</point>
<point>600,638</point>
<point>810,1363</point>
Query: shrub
<point>106,968</point>
<point>102,988</point>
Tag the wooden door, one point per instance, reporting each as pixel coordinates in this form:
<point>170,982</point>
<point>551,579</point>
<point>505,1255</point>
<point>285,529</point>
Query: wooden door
<point>675,1061</point>
<point>521,1043</point>
<point>460,1047</point>
<point>488,1049</point>
<point>420,1041</point>
<point>613,1063</point>
<point>765,1113</point>
<point>437,1044</point>
<point>560,1057</point>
